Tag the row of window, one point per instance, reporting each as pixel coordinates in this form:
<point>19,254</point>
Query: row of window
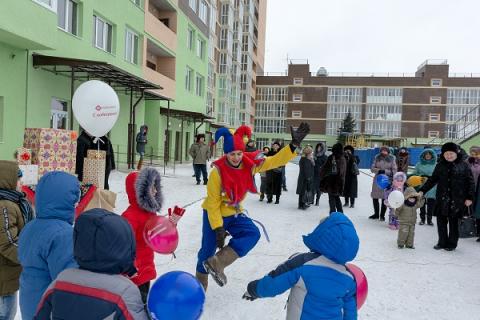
<point>190,77</point>
<point>199,45</point>
<point>270,110</point>
<point>433,82</point>
<point>271,94</point>
<point>376,115</point>
<point>463,96</point>
<point>269,125</point>
<point>200,7</point>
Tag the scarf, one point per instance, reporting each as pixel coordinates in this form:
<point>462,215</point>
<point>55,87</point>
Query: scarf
<point>409,203</point>
<point>19,198</point>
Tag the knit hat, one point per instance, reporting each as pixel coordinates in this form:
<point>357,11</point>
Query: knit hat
<point>450,146</point>
<point>385,148</point>
<point>349,147</point>
<point>233,142</point>
<point>475,149</point>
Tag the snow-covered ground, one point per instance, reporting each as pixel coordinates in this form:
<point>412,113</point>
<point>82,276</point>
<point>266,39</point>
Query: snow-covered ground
<point>403,284</point>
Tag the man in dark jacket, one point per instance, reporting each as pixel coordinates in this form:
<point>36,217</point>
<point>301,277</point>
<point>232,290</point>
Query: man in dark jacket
<point>350,190</point>
<point>332,177</point>
<point>141,140</point>
<point>250,147</point>
<point>320,159</point>
<point>274,177</point>
<point>455,190</point>
<point>15,212</point>
<point>305,179</point>
<point>86,142</point>
<point>104,248</point>
<point>200,154</point>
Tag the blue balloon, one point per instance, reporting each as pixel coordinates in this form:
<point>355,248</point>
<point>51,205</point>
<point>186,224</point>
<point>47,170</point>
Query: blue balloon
<point>176,295</point>
<point>382,181</point>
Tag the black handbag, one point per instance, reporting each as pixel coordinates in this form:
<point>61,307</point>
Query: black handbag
<point>466,226</point>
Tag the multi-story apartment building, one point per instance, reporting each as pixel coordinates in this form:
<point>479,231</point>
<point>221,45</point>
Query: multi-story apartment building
<point>417,108</point>
<point>238,56</point>
<point>152,52</point>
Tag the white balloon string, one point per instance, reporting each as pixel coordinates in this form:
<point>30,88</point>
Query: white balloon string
<point>98,173</point>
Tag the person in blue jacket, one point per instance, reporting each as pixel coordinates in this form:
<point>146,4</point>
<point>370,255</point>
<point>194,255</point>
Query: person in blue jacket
<point>45,246</point>
<point>321,286</point>
<point>104,247</point>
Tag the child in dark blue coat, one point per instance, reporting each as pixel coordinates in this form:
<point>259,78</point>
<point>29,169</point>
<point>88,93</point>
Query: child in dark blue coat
<point>321,286</point>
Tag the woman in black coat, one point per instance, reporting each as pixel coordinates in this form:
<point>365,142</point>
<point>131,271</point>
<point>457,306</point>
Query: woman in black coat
<point>85,143</point>
<point>332,177</point>
<point>274,178</point>
<point>305,179</point>
<point>350,190</point>
<point>455,190</point>
<point>320,159</point>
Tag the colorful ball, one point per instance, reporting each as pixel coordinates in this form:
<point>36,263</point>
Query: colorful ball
<point>362,284</point>
<point>395,199</point>
<point>176,295</point>
<point>382,181</point>
<point>161,235</point>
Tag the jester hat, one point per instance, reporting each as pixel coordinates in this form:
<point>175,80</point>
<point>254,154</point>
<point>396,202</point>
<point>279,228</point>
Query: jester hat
<point>233,142</point>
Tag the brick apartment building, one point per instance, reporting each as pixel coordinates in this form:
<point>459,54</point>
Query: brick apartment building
<point>427,104</point>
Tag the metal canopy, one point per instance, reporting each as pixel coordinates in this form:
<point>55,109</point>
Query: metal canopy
<point>185,115</point>
<point>149,95</point>
<point>111,74</point>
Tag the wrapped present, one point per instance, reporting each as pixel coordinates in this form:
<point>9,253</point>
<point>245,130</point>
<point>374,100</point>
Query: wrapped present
<point>104,199</point>
<point>94,172</point>
<point>96,154</point>
<point>29,174</point>
<point>52,149</point>
<point>24,156</point>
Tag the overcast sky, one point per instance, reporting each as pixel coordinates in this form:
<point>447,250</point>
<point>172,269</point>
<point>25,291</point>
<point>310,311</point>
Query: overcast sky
<point>373,35</point>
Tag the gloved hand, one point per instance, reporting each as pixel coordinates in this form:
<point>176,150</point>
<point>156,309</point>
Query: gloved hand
<point>381,171</point>
<point>175,214</point>
<point>248,296</point>
<point>220,235</point>
<point>299,134</point>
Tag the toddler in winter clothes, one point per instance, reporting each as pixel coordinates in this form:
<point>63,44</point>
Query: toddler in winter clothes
<point>407,217</point>
<point>145,198</point>
<point>321,286</point>
<point>104,247</point>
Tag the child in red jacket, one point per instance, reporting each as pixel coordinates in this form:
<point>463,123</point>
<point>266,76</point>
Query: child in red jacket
<point>145,198</point>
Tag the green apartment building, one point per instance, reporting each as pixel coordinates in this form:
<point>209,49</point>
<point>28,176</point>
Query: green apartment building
<point>153,53</point>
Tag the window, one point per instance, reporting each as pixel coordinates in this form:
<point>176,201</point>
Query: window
<point>384,95</point>
<point>67,15</point>
<point>103,34</point>
<point>131,46</point>
<point>200,48</point>
<point>203,11</point>
<point>2,118</point>
<point>193,4</point>
<point>344,94</point>
<point>463,96</point>
<point>271,94</point>
<point>433,134</point>
<point>436,82</point>
<point>58,114</point>
<point>49,4</point>
<point>270,116</point>
<point>190,37</point>
<point>297,97</point>
<point>296,114</point>
<point>435,99</point>
<point>199,83</point>
<point>188,79</point>
<point>434,117</point>
<point>297,81</point>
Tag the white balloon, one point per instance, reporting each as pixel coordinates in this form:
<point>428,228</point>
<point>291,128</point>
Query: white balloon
<point>96,107</point>
<point>396,199</point>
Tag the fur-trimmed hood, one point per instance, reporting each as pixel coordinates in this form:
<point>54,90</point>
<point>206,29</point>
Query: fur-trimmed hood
<point>138,186</point>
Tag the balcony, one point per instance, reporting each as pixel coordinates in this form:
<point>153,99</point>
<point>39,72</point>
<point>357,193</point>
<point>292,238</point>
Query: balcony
<point>161,23</point>
<point>159,68</point>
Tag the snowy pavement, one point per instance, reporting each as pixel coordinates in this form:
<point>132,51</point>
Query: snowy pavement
<point>403,284</point>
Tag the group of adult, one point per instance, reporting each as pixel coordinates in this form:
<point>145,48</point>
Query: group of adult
<point>335,175</point>
<point>449,185</point>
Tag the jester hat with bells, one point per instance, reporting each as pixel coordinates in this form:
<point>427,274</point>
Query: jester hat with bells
<point>235,141</point>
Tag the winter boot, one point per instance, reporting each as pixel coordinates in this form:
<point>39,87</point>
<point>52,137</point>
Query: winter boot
<point>277,199</point>
<point>205,182</point>
<point>429,221</point>
<point>262,196</point>
<point>269,198</point>
<point>382,212</point>
<point>317,200</point>
<point>203,279</point>
<point>216,264</point>
<point>346,203</point>
<point>376,209</point>
<point>140,164</point>
<point>352,203</point>
<point>422,222</point>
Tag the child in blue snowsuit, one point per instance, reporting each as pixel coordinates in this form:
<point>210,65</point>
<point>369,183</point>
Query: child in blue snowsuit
<point>321,286</point>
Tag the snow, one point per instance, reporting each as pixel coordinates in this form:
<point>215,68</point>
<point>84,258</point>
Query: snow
<point>403,284</point>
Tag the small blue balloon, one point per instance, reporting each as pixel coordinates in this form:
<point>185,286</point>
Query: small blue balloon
<point>176,295</point>
<point>382,181</point>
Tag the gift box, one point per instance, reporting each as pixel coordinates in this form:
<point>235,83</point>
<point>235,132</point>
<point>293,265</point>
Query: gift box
<point>29,174</point>
<point>96,154</point>
<point>52,149</point>
<point>94,172</point>
<point>24,156</point>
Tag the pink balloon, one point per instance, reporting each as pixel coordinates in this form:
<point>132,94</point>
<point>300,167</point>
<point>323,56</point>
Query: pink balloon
<point>362,283</point>
<point>161,235</point>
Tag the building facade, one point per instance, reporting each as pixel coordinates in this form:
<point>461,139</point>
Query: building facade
<point>152,52</point>
<point>416,108</point>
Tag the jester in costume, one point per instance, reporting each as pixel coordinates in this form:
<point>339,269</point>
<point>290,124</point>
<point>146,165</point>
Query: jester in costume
<point>229,181</point>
